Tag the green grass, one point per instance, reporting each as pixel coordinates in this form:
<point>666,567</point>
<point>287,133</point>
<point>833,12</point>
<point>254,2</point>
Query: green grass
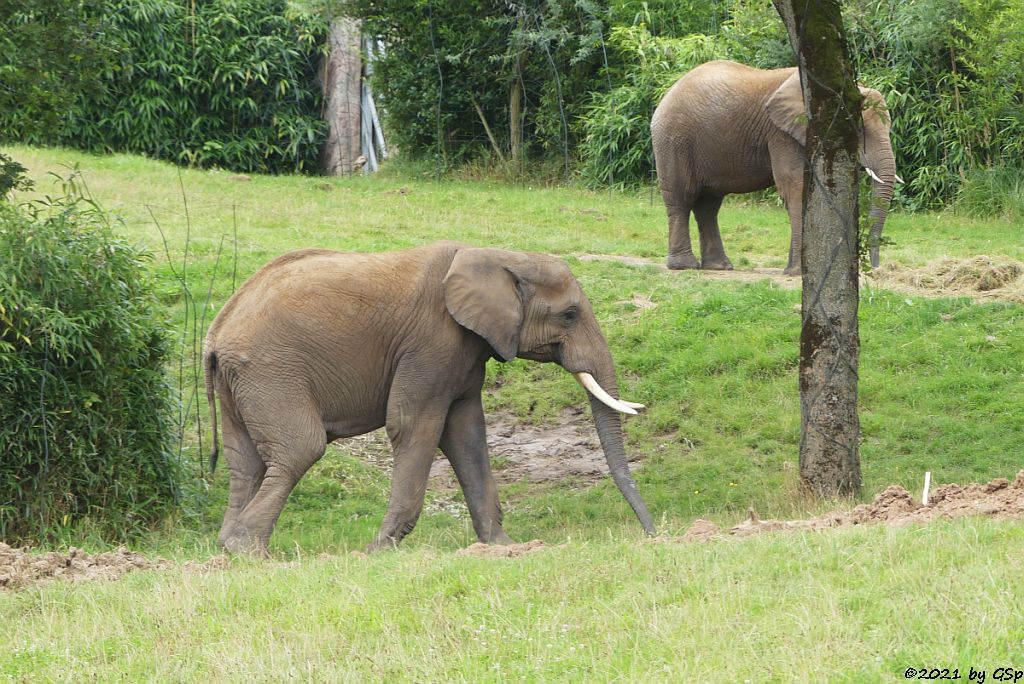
<point>858,605</point>
<point>941,389</point>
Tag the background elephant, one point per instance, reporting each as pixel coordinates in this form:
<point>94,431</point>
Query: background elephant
<point>319,345</point>
<point>727,128</point>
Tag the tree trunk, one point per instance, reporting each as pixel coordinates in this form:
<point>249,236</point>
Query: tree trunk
<point>341,78</point>
<point>829,338</point>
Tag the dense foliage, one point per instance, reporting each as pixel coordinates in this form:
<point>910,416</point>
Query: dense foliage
<point>233,83</point>
<point>230,83</point>
<point>451,65</point>
<point>52,52</point>
<point>950,70</point>
<point>86,424</point>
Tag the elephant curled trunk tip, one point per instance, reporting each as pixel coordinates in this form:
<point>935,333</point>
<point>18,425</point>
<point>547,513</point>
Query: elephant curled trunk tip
<point>591,385</point>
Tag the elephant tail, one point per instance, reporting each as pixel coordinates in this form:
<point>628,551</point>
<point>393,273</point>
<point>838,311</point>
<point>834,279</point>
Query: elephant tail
<point>210,371</point>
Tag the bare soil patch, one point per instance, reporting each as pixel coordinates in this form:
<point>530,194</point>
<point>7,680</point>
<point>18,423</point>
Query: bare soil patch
<point>895,506</point>
<point>481,550</point>
<point>746,275</point>
<point>566,449</point>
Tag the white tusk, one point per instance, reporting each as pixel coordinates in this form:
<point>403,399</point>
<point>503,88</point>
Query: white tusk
<point>633,404</point>
<point>590,384</point>
<point>898,179</point>
<point>874,176</point>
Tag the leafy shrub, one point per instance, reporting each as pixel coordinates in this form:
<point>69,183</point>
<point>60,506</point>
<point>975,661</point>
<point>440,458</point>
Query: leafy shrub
<point>527,67</point>
<point>229,83</point>
<point>951,73</point>
<point>52,52</point>
<point>85,408</point>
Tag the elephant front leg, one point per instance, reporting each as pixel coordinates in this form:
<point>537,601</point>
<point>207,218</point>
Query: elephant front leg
<point>464,442</point>
<point>414,441</point>
<point>794,206</point>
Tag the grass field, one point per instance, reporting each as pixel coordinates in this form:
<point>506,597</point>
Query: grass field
<point>941,389</point>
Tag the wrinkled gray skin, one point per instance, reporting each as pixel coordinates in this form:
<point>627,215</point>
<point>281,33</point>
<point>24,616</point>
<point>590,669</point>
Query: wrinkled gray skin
<point>727,128</point>
<point>320,345</point>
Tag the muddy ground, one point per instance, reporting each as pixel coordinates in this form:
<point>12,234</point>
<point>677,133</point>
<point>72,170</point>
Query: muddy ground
<point>567,449</point>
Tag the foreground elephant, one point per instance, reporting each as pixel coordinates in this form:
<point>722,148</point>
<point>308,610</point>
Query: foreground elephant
<point>726,128</point>
<point>319,345</point>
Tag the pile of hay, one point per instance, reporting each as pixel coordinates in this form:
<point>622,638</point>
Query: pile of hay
<point>979,277</point>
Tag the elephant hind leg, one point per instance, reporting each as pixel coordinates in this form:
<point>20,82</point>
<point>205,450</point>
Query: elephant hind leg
<point>245,466</point>
<point>678,204</point>
<point>288,452</point>
<point>680,249</point>
<point>712,250</point>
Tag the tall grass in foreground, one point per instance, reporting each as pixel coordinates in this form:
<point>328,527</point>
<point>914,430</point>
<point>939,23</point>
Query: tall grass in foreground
<point>853,605</point>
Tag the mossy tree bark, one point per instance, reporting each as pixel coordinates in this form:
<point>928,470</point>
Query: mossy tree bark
<point>829,338</point>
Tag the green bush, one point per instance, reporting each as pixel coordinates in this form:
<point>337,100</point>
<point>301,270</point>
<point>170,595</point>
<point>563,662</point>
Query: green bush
<point>228,83</point>
<point>535,63</point>
<point>52,52</point>
<point>86,425</point>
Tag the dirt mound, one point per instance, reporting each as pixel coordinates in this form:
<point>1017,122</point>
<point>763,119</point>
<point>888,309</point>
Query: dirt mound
<point>980,277</point>
<point>702,530</point>
<point>999,498</point>
<point>20,568</point>
<point>495,551</point>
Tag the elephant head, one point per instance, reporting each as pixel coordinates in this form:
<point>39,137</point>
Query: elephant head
<point>786,110</point>
<point>530,306</point>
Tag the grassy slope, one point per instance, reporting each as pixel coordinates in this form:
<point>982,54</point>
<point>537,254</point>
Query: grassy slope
<point>941,389</point>
<point>854,605</point>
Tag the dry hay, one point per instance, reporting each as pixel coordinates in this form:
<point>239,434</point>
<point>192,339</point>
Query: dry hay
<point>895,506</point>
<point>980,277</point>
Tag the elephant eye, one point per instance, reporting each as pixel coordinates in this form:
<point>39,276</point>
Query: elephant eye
<point>570,314</point>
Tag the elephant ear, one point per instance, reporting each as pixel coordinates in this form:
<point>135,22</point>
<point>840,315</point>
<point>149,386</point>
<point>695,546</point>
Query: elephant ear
<point>786,108</point>
<point>483,295</point>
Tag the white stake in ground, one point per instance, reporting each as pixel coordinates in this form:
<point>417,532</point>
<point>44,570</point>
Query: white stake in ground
<point>927,486</point>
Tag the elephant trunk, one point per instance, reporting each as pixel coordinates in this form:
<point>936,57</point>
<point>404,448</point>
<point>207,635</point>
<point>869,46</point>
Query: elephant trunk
<point>881,167</point>
<point>609,430</point>
<point>591,362</point>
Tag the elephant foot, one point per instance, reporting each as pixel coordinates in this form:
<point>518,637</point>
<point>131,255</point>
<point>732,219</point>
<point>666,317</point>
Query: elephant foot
<point>498,539</point>
<point>793,270</point>
<point>378,544</point>
<point>679,263</point>
<point>241,543</point>
<point>722,264</point>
